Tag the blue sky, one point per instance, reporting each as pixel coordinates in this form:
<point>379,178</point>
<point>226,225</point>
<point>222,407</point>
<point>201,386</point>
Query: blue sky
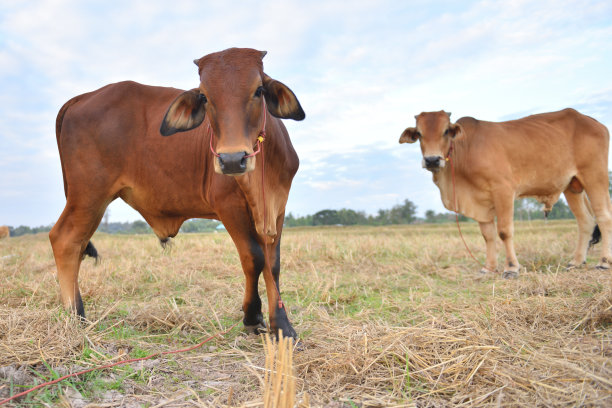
<point>361,70</point>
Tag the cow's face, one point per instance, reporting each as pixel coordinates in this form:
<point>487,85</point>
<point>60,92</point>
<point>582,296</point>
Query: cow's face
<point>233,95</point>
<point>435,133</point>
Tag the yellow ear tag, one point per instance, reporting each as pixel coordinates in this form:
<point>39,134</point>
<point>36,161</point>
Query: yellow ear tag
<point>260,138</point>
<point>447,159</point>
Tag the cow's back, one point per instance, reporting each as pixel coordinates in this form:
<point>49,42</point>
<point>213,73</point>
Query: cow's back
<point>536,155</point>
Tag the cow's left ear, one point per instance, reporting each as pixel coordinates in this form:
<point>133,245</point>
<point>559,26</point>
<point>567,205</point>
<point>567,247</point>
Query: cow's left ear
<point>281,100</point>
<point>186,112</point>
<point>455,131</point>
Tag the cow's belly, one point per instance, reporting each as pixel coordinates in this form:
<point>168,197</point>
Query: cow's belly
<point>545,188</point>
<point>165,212</point>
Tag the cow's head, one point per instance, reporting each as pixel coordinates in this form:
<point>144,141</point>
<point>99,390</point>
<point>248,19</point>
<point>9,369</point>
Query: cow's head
<point>435,132</point>
<point>231,97</point>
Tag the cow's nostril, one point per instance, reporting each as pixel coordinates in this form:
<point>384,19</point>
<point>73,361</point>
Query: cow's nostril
<point>233,163</point>
<point>432,161</point>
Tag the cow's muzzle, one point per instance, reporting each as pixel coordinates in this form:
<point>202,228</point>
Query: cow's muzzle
<point>433,163</point>
<point>233,163</point>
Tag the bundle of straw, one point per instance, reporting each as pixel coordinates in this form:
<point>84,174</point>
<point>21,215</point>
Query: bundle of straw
<point>279,381</point>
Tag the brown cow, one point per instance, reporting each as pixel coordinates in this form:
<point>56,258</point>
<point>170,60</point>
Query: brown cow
<point>538,156</point>
<point>111,143</point>
<point>4,232</point>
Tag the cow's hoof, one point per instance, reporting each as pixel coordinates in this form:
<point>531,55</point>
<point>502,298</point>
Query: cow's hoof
<point>604,264</point>
<point>486,271</point>
<point>256,329</point>
<point>573,265</point>
<point>510,274</point>
<point>289,332</point>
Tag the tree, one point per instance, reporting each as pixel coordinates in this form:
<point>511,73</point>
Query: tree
<point>351,217</point>
<point>403,213</point>
<point>199,225</point>
<point>326,217</point>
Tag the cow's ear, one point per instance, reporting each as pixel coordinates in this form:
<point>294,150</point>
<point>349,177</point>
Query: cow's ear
<point>281,100</point>
<point>186,112</point>
<point>410,135</point>
<point>455,131</point>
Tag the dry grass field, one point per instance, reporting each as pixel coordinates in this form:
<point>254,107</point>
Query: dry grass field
<point>387,316</point>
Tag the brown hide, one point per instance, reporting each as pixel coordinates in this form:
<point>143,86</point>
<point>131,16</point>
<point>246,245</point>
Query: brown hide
<point>4,232</point>
<point>111,145</point>
<point>538,156</point>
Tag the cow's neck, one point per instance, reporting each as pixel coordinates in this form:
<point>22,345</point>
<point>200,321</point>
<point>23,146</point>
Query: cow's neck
<point>443,179</point>
<point>267,202</point>
<point>460,195</point>
<point>449,189</point>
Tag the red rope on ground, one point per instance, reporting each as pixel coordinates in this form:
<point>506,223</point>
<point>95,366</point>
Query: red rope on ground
<point>448,159</point>
<point>21,394</point>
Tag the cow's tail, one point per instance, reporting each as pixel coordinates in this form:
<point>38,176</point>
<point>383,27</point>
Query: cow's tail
<point>595,237</point>
<point>90,250</point>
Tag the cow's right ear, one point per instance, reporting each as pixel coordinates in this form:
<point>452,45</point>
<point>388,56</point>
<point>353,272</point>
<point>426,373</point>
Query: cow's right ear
<point>186,112</point>
<point>410,135</point>
<point>455,131</point>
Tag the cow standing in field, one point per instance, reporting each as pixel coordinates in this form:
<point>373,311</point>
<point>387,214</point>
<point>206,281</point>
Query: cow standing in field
<point>4,232</point>
<point>121,141</point>
<point>538,156</point>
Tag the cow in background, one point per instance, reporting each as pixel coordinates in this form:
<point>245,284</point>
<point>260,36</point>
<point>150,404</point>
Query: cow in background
<point>539,156</point>
<point>5,232</point>
<point>174,155</point>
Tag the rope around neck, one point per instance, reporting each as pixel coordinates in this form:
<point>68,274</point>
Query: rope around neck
<point>448,159</point>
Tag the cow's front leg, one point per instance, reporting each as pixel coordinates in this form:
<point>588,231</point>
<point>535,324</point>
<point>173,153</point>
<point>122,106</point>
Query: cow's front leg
<point>251,305</point>
<point>252,258</point>
<point>253,261</point>
<point>278,312</point>
<point>504,209</point>
<point>489,234</point>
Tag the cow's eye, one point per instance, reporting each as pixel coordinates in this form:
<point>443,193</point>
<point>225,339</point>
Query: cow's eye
<point>446,132</point>
<point>259,92</point>
<point>202,98</point>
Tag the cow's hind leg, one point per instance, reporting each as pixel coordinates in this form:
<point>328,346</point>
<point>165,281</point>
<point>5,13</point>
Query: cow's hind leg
<point>70,242</point>
<point>577,202</point>
<point>600,204</point>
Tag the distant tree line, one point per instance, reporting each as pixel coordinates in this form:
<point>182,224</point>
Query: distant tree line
<point>141,227</point>
<point>135,227</point>
<point>400,214</point>
<point>525,209</point>
<point>23,229</point>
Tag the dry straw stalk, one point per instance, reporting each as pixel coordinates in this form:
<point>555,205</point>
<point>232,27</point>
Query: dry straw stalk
<point>279,379</point>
